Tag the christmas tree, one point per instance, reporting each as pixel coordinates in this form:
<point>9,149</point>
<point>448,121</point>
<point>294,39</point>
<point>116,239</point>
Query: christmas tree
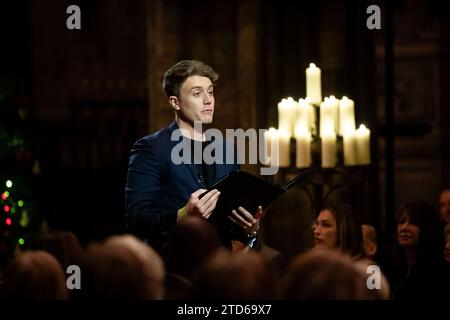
<point>19,171</point>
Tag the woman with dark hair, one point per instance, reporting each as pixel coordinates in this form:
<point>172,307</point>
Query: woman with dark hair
<point>418,252</point>
<point>338,227</point>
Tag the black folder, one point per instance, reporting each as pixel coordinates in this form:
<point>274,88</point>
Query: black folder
<point>243,189</point>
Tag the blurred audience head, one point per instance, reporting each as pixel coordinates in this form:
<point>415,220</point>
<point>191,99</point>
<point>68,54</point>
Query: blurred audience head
<point>34,275</point>
<point>238,276</point>
<point>370,241</point>
<point>123,267</point>
<point>444,205</point>
<point>324,274</point>
<point>367,269</point>
<point>191,242</point>
<point>337,227</point>
<point>447,242</point>
<point>63,245</point>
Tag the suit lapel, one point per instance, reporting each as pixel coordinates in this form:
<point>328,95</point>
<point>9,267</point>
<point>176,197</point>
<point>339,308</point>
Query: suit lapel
<point>192,168</point>
<point>222,169</point>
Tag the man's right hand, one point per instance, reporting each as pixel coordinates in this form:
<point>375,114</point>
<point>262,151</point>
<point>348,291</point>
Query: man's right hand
<point>203,206</point>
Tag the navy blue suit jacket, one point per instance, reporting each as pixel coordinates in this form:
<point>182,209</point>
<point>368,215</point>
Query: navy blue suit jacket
<point>157,188</point>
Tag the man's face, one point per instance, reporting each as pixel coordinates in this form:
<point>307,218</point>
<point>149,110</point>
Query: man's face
<point>444,203</point>
<point>196,100</point>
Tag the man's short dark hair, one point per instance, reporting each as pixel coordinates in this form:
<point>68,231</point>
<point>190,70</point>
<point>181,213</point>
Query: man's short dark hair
<point>177,74</point>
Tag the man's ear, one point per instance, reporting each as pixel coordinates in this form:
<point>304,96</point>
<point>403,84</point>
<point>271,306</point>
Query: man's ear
<point>173,100</point>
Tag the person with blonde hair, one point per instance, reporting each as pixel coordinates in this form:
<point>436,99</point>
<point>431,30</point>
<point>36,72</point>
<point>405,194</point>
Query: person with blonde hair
<point>234,276</point>
<point>123,267</point>
<point>34,275</point>
<point>324,274</point>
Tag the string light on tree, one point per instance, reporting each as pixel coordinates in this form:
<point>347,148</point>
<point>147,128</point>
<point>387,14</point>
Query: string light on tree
<point>24,221</point>
<point>17,154</point>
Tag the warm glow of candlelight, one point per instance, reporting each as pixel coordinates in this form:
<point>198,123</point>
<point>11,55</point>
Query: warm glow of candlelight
<point>313,84</point>
<point>362,145</point>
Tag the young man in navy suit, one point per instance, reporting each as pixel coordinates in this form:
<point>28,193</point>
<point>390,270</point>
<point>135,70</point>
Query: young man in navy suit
<point>159,190</point>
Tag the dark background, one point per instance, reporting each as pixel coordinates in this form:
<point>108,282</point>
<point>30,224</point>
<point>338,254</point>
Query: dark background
<point>89,94</point>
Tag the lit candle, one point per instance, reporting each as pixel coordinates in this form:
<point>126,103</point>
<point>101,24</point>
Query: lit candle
<point>287,115</point>
<point>328,139</point>
<point>346,115</point>
<point>271,147</point>
<point>302,115</point>
<point>283,119</point>
<point>362,145</point>
<point>312,117</point>
<point>313,84</point>
<point>277,144</point>
<point>303,147</point>
<point>326,116</point>
<point>285,148</point>
<point>334,105</point>
<point>349,147</point>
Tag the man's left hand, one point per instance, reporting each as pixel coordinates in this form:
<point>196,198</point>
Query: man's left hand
<point>248,222</point>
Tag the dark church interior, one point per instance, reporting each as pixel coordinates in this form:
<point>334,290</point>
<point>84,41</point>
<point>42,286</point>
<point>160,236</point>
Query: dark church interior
<point>73,102</point>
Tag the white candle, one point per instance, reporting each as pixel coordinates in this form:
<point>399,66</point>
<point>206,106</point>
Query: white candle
<point>302,115</point>
<point>349,148</point>
<point>326,116</point>
<point>287,114</point>
<point>271,147</point>
<point>312,118</point>
<point>277,144</point>
<point>303,147</point>
<point>334,105</point>
<point>346,115</point>
<point>285,148</point>
<point>328,147</point>
<point>313,84</point>
<point>362,145</point>
<point>283,119</point>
